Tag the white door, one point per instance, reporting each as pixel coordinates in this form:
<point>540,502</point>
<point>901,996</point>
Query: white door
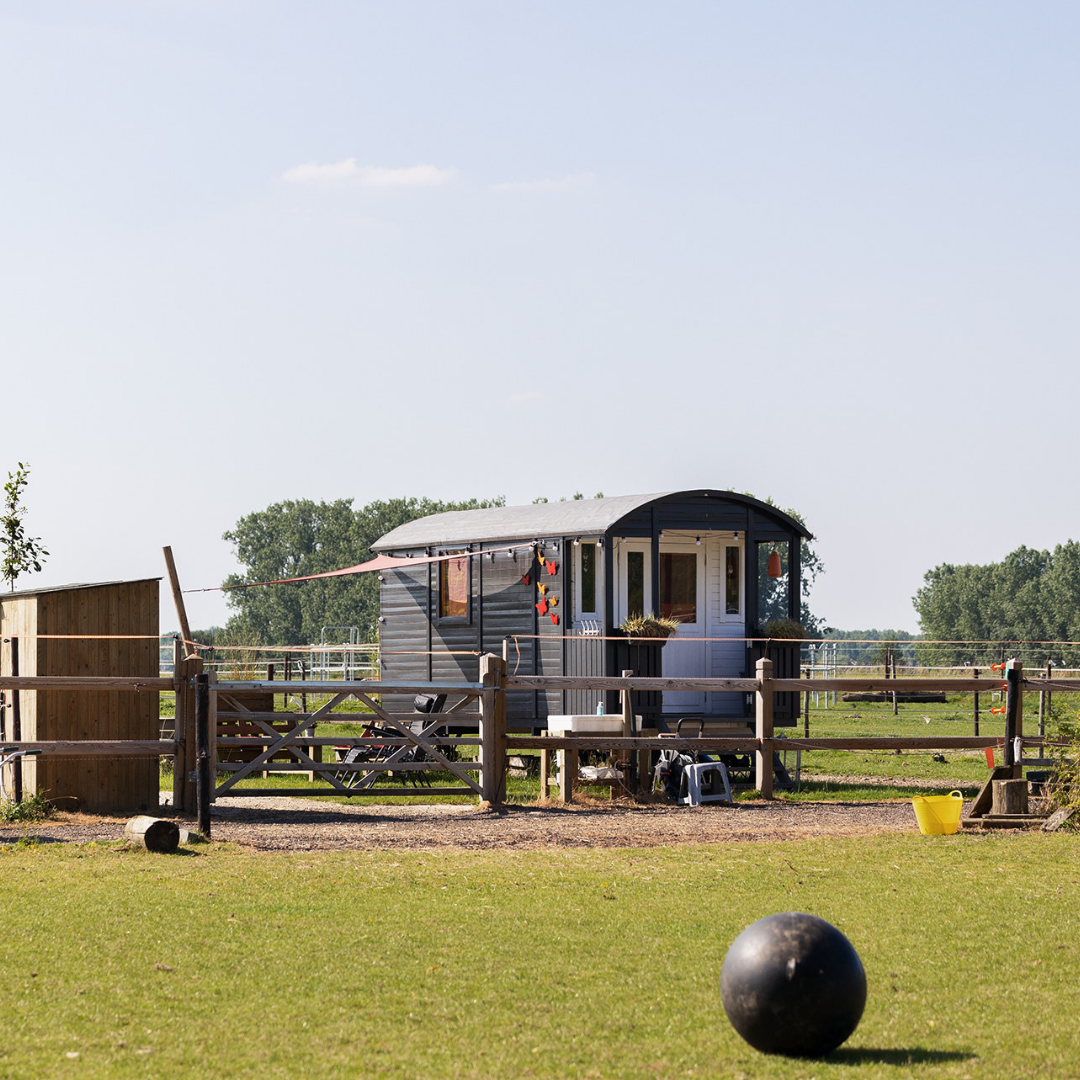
<point>682,597</point>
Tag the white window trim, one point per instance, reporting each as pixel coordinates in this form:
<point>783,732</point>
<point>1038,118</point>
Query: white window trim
<point>598,614</point>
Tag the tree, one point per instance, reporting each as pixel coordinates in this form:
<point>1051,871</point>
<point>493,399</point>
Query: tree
<point>772,597</point>
<point>1028,596</point>
<point>21,552</point>
<point>295,538</point>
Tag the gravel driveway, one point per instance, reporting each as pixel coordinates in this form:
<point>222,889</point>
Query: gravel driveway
<point>285,824</point>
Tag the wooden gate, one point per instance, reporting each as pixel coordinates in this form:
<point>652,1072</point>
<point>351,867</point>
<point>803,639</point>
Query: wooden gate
<point>385,742</point>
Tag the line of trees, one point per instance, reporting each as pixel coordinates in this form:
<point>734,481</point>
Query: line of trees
<point>1028,596</point>
<point>298,537</point>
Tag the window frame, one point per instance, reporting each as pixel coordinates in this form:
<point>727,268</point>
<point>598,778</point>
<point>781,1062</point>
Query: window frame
<point>598,597</point>
<point>739,546</point>
<point>454,620</point>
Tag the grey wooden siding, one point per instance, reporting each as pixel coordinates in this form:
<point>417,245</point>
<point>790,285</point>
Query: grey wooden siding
<point>404,605</point>
<point>508,613</point>
<point>584,655</point>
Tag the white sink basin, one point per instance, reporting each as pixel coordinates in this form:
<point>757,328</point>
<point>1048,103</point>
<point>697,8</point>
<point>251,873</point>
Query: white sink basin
<point>593,724</point>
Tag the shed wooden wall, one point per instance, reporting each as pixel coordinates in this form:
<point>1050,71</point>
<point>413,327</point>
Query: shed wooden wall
<point>100,785</point>
<point>18,618</point>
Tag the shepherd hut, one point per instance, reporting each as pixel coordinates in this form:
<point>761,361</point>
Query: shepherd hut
<point>556,581</point>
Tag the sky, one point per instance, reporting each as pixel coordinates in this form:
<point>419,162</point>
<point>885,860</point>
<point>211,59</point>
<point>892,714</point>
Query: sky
<point>820,252</point>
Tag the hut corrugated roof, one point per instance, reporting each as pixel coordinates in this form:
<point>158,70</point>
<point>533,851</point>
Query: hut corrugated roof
<point>578,517</point>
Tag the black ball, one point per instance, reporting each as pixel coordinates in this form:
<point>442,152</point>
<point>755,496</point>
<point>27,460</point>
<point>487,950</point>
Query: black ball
<point>793,984</point>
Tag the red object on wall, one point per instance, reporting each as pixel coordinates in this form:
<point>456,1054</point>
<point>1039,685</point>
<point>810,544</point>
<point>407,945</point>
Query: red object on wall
<point>524,579</point>
<point>555,618</point>
<point>776,568</point>
<point>552,568</point>
<point>542,607</point>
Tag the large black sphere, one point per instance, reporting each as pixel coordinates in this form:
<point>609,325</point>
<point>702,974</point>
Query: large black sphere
<point>793,984</point>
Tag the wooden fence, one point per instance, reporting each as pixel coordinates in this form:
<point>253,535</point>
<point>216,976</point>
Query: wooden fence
<point>202,700</point>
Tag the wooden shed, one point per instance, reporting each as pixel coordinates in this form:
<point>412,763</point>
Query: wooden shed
<point>559,578</point>
<point>102,629</point>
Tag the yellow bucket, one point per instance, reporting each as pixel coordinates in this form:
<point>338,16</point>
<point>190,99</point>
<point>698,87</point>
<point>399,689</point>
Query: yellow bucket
<point>938,814</point>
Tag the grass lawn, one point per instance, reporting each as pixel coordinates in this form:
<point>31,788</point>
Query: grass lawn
<point>584,963</point>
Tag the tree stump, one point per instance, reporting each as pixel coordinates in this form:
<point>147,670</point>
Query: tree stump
<point>1010,797</point>
<point>154,834</point>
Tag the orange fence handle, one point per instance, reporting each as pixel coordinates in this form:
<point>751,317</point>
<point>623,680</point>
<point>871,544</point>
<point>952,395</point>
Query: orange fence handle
<point>1001,710</point>
<point>997,667</point>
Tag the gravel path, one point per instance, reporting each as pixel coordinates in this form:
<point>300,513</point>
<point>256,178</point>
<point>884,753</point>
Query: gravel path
<point>284,824</point>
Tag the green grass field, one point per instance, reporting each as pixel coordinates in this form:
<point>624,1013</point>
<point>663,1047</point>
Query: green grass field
<point>218,962</point>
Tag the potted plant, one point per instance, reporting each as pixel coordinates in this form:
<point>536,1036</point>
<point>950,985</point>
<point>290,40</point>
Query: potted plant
<point>649,626</point>
<point>779,642</point>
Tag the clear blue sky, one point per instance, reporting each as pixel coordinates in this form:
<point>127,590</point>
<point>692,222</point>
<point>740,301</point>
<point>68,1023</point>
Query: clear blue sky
<point>824,252</point>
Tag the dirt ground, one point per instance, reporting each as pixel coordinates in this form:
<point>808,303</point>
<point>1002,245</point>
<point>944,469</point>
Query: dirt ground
<point>287,824</point>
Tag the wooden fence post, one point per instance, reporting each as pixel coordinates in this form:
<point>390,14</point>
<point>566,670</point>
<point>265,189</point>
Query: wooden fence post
<point>16,723</point>
<point>763,758</point>
<point>1044,701</point>
<point>628,733</point>
<point>492,729</point>
<point>975,705</point>
<point>1014,713</point>
<point>806,709</point>
<point>203,776</point>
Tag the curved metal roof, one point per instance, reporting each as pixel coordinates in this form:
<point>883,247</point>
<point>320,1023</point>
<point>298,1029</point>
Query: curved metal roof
<point>580,517</point>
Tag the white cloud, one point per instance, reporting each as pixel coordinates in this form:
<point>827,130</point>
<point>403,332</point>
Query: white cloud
<point>526,396</point>
<point>567,183</point>
<point>374,176</point>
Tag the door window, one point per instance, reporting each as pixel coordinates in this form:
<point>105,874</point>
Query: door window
<point>678,586</point>
<point>732,581</point>
<point>635,583</point>
<point>587,578</point>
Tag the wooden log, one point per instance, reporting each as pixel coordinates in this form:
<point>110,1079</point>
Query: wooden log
<point>984,799</point>
<point>1010,797</point>
<point>154,834</point>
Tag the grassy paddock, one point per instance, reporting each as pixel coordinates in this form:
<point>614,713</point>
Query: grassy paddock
<point>580,963</point>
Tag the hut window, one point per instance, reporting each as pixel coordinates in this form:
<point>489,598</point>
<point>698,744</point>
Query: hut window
<point>588,578</point>
<point>635,583</point>
<point>454,589</point>
<point>773,598</point>
<point>678,586</point>
<point>732,581</point>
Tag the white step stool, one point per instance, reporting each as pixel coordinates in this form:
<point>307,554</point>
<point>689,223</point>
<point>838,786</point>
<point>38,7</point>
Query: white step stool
<point>694,775</point>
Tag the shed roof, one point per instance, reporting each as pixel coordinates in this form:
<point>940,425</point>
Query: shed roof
<point>579,517</point>
<point>68,588</point>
